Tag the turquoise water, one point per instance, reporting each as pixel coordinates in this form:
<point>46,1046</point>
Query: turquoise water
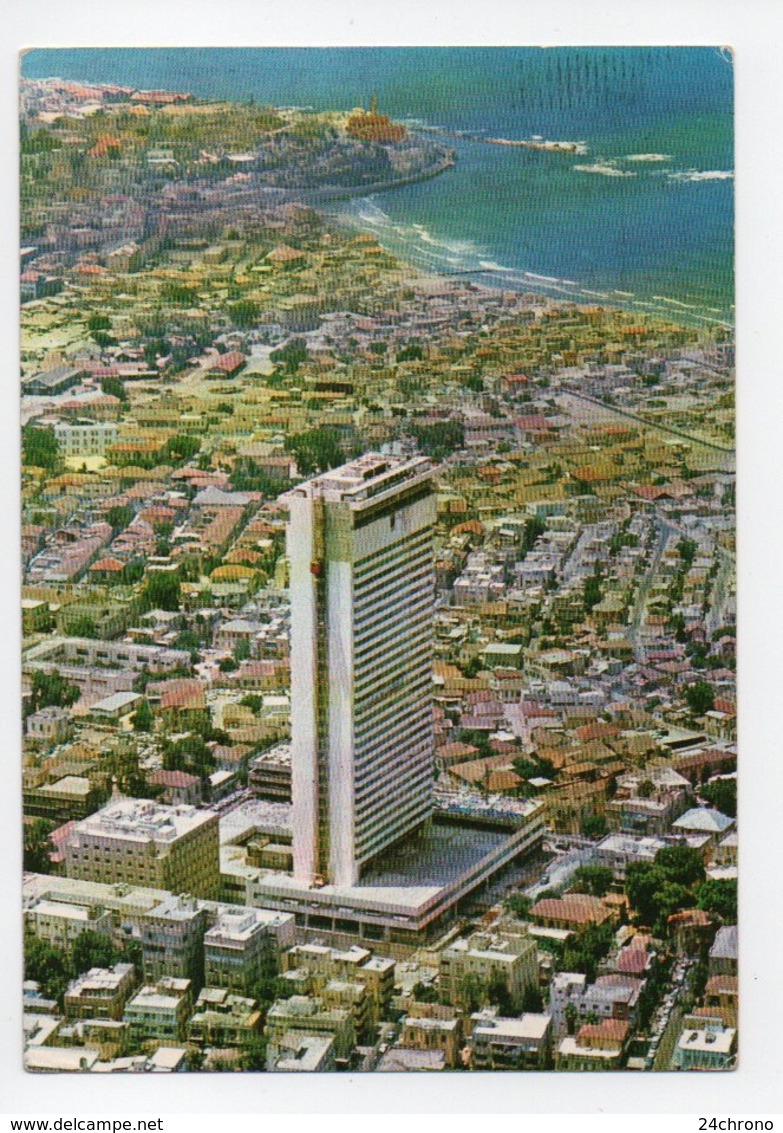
<point>656,234</point>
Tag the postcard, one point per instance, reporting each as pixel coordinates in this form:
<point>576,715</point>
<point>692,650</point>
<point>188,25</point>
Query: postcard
<point>378,559</point>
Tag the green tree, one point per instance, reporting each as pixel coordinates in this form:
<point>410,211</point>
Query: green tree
<point>534,529</point>
<point>700,697</point>
<point>642,882</point>
<point>719,896</point>
<point>180,448</point>
<point>594,826</point>
<point>425,993</point>
<point>498,995</point>
<point>317,450</point>
<point>593,879</point>
<point>669,899</point>
<point>47,965</point>
<point>411,353</point>
<point>471,992</point>
<point>686,548</point>
<point>37,846</point>
<point>439,440</point>
<point>253,1056</point>
<point>244,313</point>
<point>119,517</point>
<point>162,591</point>
<point>657,889</point>
<point>114,388</point>
<point>722,794</point>
<point>290,356</point>
<point>518,904</point>
<point>52,690</point>
<point>593,592</point>
<point>190,753</point>
<point>532,1000</point>
<point>84,626</point>
<point>92,950</point>
<point>680,864</point>
<point>40,448</point>
<point>142,718</point>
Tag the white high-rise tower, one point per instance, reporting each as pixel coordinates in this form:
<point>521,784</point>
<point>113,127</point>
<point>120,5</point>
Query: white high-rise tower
<point>360,553</point>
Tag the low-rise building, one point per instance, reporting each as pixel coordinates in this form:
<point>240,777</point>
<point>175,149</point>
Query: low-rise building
<point>239,943</point>
<point>61,922</point>
<point>573,911</point>
<point>85,438</point>
<point>100,993</point>
<point>596,1046</point>
<point>297,1051</point>
<point>161,1010</point>
<point>492,960</point>
<point>423,1033</point>
<point>222,1019</point>
<point>310,1014</point>
<point>723,953</point>
<point>572,1000</point>
<point>146,843</point>
<point>354,964</point>
<point>49,725</point>
<point>708,1045</point>
<point>499,1043</point>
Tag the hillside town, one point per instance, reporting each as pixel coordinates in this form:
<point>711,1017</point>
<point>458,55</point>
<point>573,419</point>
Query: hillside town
<point>199,337</point>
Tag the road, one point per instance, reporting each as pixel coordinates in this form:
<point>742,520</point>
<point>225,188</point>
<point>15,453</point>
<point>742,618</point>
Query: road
<point>669,430</point>
<point>644,588</point>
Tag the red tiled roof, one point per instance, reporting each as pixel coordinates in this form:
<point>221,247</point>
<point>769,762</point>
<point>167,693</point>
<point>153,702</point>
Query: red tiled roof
<point>228,362</point>
<point>183,694</point>
<point>614,1030</point>
<point>578,908</point>
<point>171,779</point>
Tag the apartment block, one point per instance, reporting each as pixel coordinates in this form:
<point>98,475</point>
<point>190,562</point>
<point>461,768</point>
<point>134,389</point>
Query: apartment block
<point>145,843</point>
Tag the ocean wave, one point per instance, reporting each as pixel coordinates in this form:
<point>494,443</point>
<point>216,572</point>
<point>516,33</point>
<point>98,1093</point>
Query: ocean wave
<point>426,252</point>
<point>490,265</point>
<point>703,175</point>
<point>605,169</point>
<point>648,157</point>
<point>676,302</point>
<point>456,247</point>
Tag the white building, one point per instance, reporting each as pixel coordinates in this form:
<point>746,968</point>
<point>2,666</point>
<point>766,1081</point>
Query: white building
<point>361,561</point>
<point>85,438</point>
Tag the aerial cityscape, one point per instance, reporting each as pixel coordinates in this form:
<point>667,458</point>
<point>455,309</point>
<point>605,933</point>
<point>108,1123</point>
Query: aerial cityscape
<point>378,584</point>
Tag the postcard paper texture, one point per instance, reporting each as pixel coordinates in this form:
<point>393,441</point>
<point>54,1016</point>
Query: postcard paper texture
<point>378,595</point>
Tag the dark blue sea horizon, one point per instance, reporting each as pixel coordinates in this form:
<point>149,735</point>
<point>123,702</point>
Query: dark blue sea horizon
<point>644,217</point>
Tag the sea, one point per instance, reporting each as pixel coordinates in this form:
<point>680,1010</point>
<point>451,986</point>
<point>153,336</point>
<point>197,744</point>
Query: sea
<point>639,213</point>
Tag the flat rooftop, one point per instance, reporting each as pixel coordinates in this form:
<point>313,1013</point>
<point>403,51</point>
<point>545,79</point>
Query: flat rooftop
<point>415,882</point>
<point>137,820</point>
<point>433,856</point>
<point>366,477</point>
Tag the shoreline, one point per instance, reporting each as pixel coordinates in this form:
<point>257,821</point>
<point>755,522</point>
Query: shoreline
<point>503,277</point>
<point>509,280</point>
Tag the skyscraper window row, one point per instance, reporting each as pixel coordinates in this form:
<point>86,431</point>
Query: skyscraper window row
<point>376,563</point>
<point>367,792</point>
<point>404,596</point>
<point>373,688</point>
<point>393,585</point>
<point>413,724</point>
<point>412,622</point>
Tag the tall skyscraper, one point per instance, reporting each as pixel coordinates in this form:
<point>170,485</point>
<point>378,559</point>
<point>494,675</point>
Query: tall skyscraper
<point>360,554</point>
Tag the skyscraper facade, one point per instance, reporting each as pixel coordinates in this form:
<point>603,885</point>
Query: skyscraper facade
<point>360,549</point>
